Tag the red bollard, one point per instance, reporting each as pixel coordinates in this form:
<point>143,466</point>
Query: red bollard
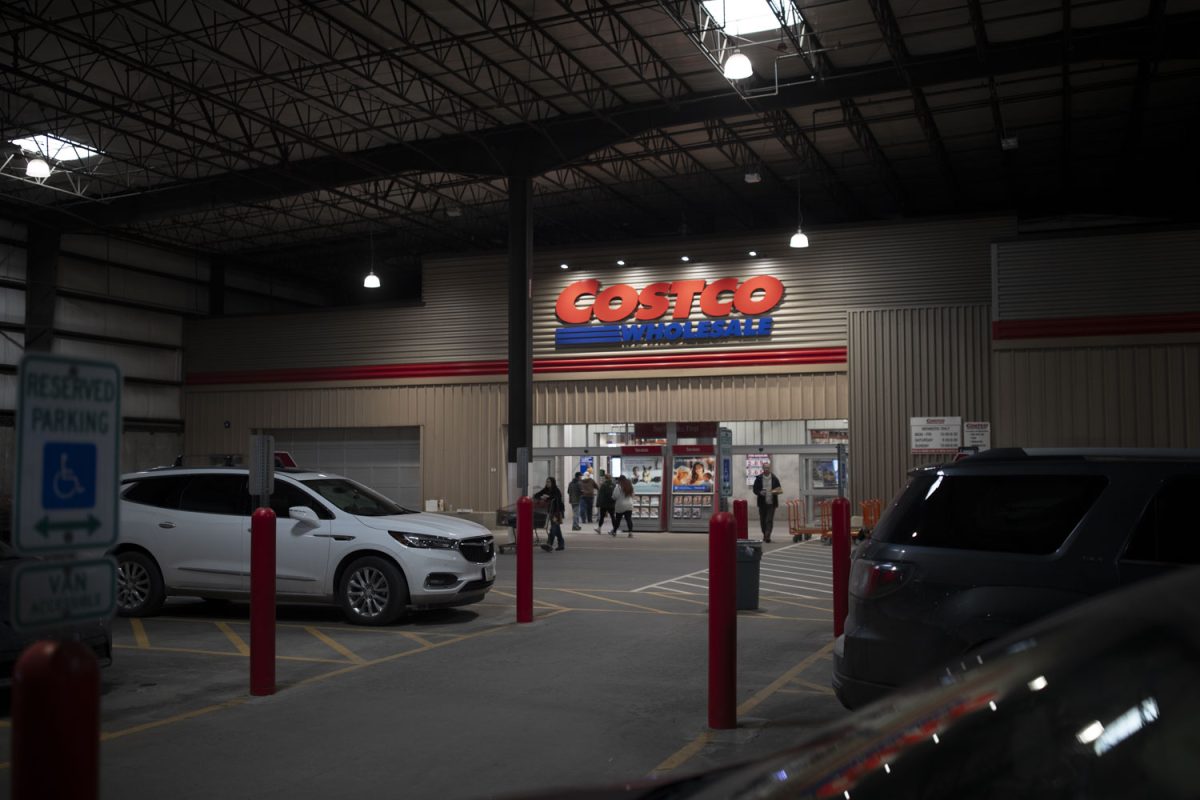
<point>524,559</point>
<point>841,562</point>
<point>722,622</point>
<point>741,519</point>
<point>262,602</point>
<point>56,722</point>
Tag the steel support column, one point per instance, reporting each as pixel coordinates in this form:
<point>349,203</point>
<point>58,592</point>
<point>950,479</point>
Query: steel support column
<point>520,314</point>
<point>41,288</point>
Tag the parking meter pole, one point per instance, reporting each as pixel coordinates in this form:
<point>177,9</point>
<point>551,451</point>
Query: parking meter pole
<point>741,517</point>
<point>722,622</point>
<point>524,559</point>
<point>841,562</point>
<point>262,602</point>
<point>56,722</point>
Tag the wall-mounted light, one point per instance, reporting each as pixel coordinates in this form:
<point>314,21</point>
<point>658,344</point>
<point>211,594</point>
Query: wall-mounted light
<point>684,258</point>
<point>620,262</point>
<point>563,266</point>
<point>753,253</point>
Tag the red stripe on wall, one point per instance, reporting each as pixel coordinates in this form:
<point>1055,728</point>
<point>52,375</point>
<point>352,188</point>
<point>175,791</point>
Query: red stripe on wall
<point>1095,326</point>
<point>444,369</point>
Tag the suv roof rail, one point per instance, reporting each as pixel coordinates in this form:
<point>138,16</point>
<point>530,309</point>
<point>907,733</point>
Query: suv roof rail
<point>1016,453</point>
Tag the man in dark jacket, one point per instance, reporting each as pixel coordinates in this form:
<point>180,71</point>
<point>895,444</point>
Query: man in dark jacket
<point>573,499</point>
<point>605,501</point>
<point>767,490</point>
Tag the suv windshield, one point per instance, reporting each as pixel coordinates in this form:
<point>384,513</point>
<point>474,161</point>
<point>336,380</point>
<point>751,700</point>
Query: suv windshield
<point>354,498</point>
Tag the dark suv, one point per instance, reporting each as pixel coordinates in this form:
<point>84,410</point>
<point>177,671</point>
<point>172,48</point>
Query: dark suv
<point>971,550</point>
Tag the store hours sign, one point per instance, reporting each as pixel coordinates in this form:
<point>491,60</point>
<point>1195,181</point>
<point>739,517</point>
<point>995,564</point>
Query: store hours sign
<point>667,312</point>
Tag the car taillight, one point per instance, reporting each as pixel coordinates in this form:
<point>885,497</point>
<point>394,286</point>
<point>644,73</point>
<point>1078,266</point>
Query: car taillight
<point>871,579</point>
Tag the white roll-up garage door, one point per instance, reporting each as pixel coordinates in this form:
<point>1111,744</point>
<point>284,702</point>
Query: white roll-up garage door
<point>386,459</point>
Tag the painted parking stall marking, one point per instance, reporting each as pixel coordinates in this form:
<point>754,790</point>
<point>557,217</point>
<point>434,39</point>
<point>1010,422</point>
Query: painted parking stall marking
<point>68,437</point>
<point>801,571</point>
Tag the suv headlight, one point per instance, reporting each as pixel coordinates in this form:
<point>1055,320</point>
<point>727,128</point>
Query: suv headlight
<point>424,541</point>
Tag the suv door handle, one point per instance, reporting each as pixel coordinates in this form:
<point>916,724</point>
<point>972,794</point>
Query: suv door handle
<point>166,524</point>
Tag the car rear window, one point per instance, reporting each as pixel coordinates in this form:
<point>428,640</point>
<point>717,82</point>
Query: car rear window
<point>1003,513</point>
<point>162,491</point>
<point>1166,533</point>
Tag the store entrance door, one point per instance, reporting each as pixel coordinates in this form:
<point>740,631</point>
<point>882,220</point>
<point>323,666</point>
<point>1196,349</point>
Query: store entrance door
<point>807,473</point>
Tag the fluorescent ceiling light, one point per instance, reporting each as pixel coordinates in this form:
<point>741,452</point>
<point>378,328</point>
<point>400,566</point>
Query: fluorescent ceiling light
<point>739,17</point>
<point>56,148</point>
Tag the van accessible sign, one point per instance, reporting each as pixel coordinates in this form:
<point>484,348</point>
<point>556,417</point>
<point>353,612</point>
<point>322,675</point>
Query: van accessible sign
<point>662,312</point>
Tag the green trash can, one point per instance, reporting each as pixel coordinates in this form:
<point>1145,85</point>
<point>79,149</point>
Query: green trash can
<point>749,554</point>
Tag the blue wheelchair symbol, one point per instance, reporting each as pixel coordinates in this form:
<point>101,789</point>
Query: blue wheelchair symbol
<point>68,475</point>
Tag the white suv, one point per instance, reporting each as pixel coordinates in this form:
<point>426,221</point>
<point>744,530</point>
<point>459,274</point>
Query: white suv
<point>187,532</point>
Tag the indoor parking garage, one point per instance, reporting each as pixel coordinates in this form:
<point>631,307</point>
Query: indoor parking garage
<point>608,398</point>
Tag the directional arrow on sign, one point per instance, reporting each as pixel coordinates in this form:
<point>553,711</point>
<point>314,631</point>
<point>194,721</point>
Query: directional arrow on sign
<point>44,526</point>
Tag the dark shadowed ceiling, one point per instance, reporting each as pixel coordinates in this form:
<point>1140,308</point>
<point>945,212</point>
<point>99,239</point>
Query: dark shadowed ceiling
<point>285,133</point>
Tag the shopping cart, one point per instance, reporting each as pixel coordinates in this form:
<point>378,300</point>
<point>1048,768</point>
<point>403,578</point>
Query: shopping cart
<point>507,517</point>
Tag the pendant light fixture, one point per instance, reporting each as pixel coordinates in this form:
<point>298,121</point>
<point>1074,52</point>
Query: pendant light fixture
<point>372,280</point>
<point>37,168</point>
<point>799,238</point>
<point>738,66</point>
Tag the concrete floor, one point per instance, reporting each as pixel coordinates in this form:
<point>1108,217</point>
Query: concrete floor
<point>608,684</point>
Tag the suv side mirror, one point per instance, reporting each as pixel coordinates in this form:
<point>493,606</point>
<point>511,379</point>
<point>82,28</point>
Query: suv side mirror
<point>304,514</point>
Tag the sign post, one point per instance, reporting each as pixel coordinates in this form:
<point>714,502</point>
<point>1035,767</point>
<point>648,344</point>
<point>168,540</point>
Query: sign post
<point>65,507</point>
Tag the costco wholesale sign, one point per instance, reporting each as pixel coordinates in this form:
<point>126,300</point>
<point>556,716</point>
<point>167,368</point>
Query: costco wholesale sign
<point>667,311</point>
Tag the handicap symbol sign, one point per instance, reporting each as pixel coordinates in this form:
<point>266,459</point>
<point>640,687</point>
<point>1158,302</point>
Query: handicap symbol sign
<point>68,475</point>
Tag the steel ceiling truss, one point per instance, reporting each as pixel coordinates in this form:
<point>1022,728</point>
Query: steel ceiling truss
<point>885,18</point>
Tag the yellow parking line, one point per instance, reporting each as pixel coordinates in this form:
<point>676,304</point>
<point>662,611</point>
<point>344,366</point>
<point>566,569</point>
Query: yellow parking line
<point>335,645</point>
<point>198,652</point>
<point>146,726</point>
<point>685,753</point>
<point>139,633</point>
<point>784,679</point>
<point>546,603</point>
<point>680,757</point>
<point>416,637</point>
<point>237,641</point>
<point>812,687</point>
<point>614,600</point>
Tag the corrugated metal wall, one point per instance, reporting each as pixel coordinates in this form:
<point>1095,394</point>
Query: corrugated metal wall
<point>462,438</point>
<point>462,428</point>
<point>463,318</point>
<point>911,362</point>
<point>1112,396</point>
<point>463,314</point>
<point>912,263</point>
<point>1098,275</point>
<point>714,397</point>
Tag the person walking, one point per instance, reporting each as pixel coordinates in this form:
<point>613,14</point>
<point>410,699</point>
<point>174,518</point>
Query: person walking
<point>767,490</point>
<point>554,513</point>
<point>573,495</point>
<point>622,506</point>
<point>604,501</point>
<point>587,499</point>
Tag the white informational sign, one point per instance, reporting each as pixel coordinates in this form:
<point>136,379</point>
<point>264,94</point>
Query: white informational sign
<point>49,594</point>
<point>68,455</point>
<point>936,435</point>
<point>754,462</point>
<point>977,434</point>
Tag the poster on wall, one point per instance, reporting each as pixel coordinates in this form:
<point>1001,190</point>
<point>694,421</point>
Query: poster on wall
<point>828,436</point>
<point>824,473</point>
<point>754,462</point>
<point>587,466</point>
<point>936,435</point>
<point>645,473</point>
<point>693,474</point>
